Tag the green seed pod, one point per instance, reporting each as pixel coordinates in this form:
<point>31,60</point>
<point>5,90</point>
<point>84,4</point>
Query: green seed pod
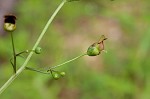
<point>93,51</point>
<point>62,74</point>
<point>38,50</point>
<point>9,23</point>
<point>96,48</point>
<point>56,76</point>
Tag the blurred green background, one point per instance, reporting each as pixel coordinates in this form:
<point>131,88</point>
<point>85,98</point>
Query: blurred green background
<point>122,73</point>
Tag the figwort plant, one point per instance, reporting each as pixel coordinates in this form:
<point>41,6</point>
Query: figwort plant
<point>10,25</point>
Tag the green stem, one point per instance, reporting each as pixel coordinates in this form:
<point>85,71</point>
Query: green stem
<point>51,68</point>
<point>12,78</point>
<point>19,54</point>
<point>36,70</point>
<point>26,51</point>
<point>14,53</point>
<point>67,61</point>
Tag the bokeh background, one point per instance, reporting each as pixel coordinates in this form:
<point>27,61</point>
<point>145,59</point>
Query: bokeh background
<point>121,73</point>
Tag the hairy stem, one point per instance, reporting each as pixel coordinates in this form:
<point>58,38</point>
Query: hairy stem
<point>11,79</point>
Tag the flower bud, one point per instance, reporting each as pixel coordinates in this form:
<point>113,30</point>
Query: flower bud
<point>38,50</point>
<point>96,48</point>
<point>62,74</point>
<point>9,23</point>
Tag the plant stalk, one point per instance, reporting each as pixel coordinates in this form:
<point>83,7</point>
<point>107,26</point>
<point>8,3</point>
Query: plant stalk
<point>12,78</point>
<point>53,67</point>
<point>14,52</point>
<point>36,70</point>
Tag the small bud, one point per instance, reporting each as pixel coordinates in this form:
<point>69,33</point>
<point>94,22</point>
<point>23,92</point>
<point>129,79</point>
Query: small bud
<point>96,48</point>
<point>9,23</point>
<point>62,74</point>
<point>56,76</point>
<point>72,0</point>
<point>38,50</point>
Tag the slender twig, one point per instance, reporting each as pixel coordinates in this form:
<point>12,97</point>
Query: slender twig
<point>14,53</point>
<point>11,79</point>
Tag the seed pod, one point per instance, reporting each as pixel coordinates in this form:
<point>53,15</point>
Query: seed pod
<point>9,23</point>
<point>93,50</point>
<point>62,74</point>
<point>56,76</point>
<point>96,48</point>
<point>38,50</point>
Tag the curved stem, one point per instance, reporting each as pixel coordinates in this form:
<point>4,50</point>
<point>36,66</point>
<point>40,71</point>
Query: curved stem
<point>10,80</point>
<point>67,61</point>
<point>14,52</point>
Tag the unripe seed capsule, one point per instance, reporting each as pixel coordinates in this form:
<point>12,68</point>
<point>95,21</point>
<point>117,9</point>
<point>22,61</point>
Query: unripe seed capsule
<point>56,76</point>
<point>62,74</point>
<point>38,50</point>
<point>96,48</point>
<point>93,51</point>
